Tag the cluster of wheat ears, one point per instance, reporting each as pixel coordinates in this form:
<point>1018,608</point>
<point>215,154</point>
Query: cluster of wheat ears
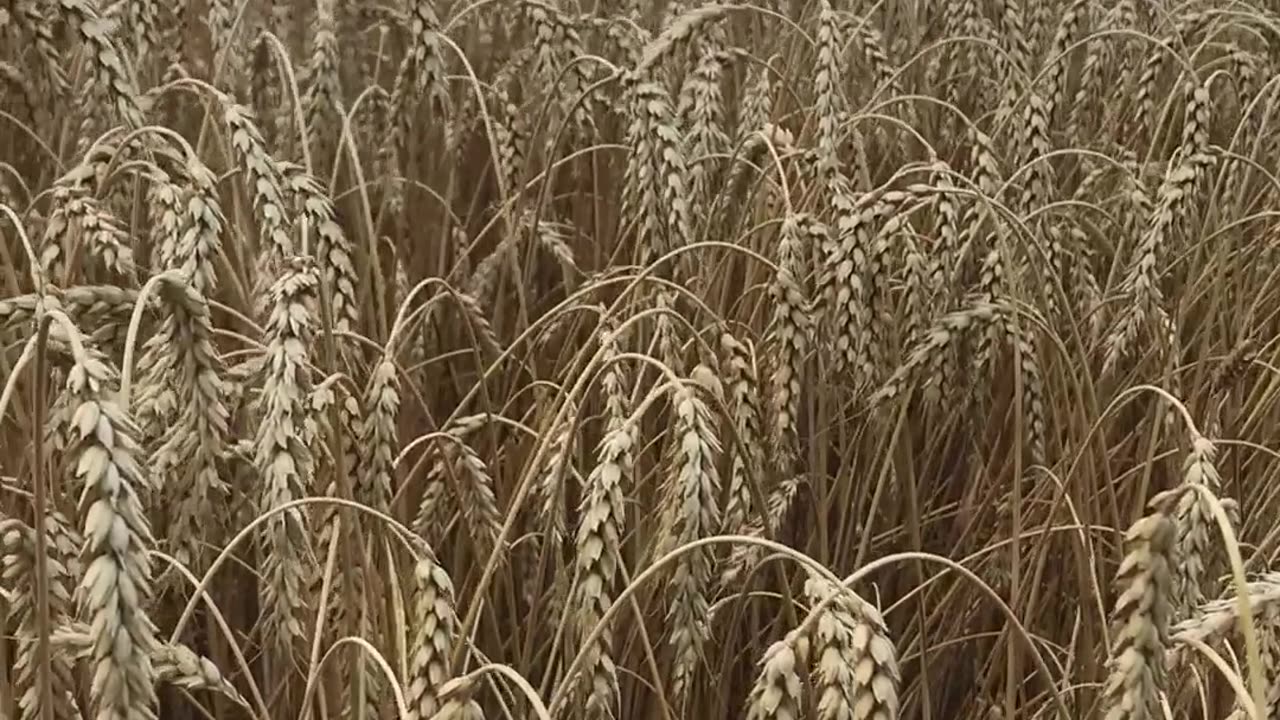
<point>639,359</point>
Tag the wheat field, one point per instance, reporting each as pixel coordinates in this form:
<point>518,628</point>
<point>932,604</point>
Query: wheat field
<point>639,359</point>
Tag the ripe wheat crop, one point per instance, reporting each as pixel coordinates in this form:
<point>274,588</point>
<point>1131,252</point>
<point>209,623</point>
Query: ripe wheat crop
<point>653,359</point>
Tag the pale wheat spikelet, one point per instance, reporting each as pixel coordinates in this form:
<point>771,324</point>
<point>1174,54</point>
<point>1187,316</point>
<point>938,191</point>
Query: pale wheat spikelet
<point>1017,63</point>
<point>188,462</point>
<point>457,702</point>
<point>895,207</point>
<point>142,18</point>
<point>842,287</point>
<point>623,37</point>
<point>1056,71</point>
<point>986,175</point>
<point>222,40</point>
<point>1084,103</point>
<point>509,135</point>
<point>282,457</point>
<point>702,115</point>
<point>790,334</point>
<point>1197,529</point>
<point>1185,26</point>
<point>79,215</point>
<point>600,530</point>
<point>378,441</point>
<point>1141,617</point>
<point>1217,619</point>
<point>105,307</point>
<point>886,77</point>
<point>946,230</point>
<point>854,284</point>
<point>426,54</point>
<point>696,486</point>
<point>333,250</point>
<point>1142,280</point>
<point>739,368</point>
<point>164,209</point>
<point>1035,145</point>
<point>323,100</point>
<point>24,92</point>
<point>943,337</point>
<point>110,74</point>
<point>557,43</point>
<point>83,217</point>
<point>677,33</point>
<point>180,666</point>
<point>436,503</point>
<point>755,106</point>
<point>264,177</point>
<point>959,19</point>
<point>777,693</point>
<point>433,636</point>
<point>668,159</point>
<point>347,431</point>
<point>641,185</point>
<point>267,95</point>
<point>188,225</point>
<point>993,286</point>
<point>781,500</point>
<point>1033,408</point>
<point>174,663</point>
<point>350,603</point>
<point>116,586</point>
<point>664,331</point>
<point>474,489</point>
<point>828,103</point>
<point>856,665</point>
<point>421,74</point>
<point>916,295</point>
<point>17,568</point>
<point>32,16</point>
<point>552,480</point>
